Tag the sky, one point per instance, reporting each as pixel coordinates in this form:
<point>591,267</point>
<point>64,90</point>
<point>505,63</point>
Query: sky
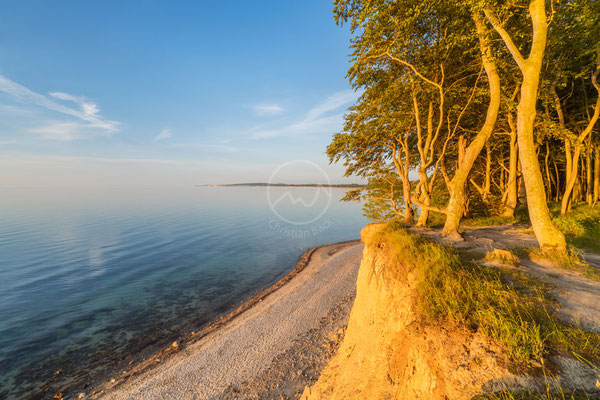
<point>169,93</point>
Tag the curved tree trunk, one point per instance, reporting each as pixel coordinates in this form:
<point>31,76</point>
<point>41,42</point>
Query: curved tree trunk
<point>456,204</point>
<point>547,234</point>
<point>547,170</point>
<point>512,189</point>
<point>402,170</point>
<point>596,173</point>
<point>573,162</point>
<point>572,174</point>
<point>487,187</point>
<point>408,210</point>
<point>424,198</point>
<point>589,194</point>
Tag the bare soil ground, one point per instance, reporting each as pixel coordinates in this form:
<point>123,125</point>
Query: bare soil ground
<point>578,294</point>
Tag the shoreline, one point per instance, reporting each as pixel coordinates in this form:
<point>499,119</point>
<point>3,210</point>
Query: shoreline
<point>145,368</point>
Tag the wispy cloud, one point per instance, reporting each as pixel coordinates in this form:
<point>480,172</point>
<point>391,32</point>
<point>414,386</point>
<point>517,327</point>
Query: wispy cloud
<point>88,107</point>
<point>164,134</point>
<point>263,110</point>
<point>305,127</point>
<point>61,131</point>
<point>333,102</point>
<point>88,113</point>
<point>317,119</point>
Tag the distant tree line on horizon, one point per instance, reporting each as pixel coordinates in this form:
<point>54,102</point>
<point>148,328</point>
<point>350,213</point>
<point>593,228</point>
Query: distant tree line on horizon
<point>264,184</point>
<point>483,99</point>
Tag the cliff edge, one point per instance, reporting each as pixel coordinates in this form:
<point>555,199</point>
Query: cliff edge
<point>399,345</point>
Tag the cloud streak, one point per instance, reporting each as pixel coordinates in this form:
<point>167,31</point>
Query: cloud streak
<point>263,110</point>
<point>87,112</point>
<point>317,120</point>
<point>60,131</point>
<point>333,102</point>
<point>164,134</point>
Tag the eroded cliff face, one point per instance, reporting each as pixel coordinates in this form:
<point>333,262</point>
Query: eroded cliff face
<point>388,354</point>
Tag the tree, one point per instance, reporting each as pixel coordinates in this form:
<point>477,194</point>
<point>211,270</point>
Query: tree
<point>376,140</point>
<point>547,234</point>
<point>467,156</point>
<point>430,71</point>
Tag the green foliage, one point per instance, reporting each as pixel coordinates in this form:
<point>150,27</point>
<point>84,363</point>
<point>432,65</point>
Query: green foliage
<point>581,226</point>
<point>486,300</point>
<point>569,225</point>
<point>418,65</point>
<point>382,197</point>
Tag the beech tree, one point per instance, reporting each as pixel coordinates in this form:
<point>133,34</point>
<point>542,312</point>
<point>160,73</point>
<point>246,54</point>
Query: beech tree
<point>478,93</point>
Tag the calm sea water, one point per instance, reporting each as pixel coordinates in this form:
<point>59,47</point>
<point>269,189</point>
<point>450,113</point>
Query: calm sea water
<point>93,279</point>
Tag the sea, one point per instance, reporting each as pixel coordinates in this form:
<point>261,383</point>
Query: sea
<point>94,279</point>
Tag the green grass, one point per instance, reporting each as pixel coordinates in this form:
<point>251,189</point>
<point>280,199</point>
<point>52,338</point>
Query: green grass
<point>489,221</point>
<point>516,313</point>
<point>581,226</point>
<point>527,395</point>
<point>436,220</point>
<point>572,260</point>
<point>521,216</point>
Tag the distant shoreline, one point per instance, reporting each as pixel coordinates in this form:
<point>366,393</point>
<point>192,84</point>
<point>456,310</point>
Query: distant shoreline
<point>302,185</point>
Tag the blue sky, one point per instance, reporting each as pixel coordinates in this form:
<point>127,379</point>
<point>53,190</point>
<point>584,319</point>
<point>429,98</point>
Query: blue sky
<point>162,92</point>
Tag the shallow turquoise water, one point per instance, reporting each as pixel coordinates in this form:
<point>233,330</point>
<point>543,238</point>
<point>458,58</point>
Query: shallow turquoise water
<point>90,280</point>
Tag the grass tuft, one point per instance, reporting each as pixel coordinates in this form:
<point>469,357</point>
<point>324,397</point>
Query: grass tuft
<point>572,260</point>
<point>503,256</point>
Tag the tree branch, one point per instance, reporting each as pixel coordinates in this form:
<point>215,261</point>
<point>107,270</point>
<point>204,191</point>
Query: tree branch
<point>428,207</point>
<point>512,47</point>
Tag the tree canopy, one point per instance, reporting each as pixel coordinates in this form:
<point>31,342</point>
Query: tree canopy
<point>472,107</point>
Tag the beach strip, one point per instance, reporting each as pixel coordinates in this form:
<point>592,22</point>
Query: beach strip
<point>260,345</point>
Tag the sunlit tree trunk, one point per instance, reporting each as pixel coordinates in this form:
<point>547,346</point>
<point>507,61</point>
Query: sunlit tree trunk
<point>589,194</point>
<point>488,171</point>
<point>596,173</point>
<point>557,174</point>
<point>553,184</point>
<point>512,189</point>
<point>573,162</point>
<point>425,145</point>
<point>424,198</point>
<point>402,168</point>
<point>456,204</point>
<point>409,214</point>
<point>547,234</point>
<point>547,170</point>
<point>485,189</point>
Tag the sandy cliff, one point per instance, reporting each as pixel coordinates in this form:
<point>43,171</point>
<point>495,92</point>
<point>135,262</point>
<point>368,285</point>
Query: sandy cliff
<point>388,353</point>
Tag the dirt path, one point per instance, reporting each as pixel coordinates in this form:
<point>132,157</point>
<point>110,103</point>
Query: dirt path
<point>578,294</point>
<point>247,347</point>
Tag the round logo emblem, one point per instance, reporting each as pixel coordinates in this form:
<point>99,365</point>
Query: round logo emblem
<point>298,205</point>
